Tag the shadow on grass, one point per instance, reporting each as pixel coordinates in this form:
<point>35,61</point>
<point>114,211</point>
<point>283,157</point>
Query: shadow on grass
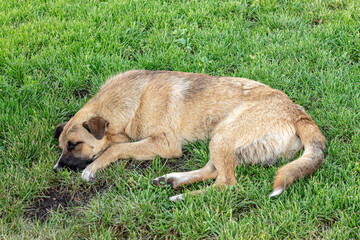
<point>173,164</point>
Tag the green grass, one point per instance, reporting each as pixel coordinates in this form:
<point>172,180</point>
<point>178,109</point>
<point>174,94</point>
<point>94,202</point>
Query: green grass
<point>54,52</point>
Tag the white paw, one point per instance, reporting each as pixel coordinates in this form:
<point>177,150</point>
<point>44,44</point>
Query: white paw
<point>88,175</point>
<point>176,198</point>
<point>276,192</point>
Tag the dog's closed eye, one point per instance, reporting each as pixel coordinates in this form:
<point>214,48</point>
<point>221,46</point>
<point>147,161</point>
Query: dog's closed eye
<point>72,146</point>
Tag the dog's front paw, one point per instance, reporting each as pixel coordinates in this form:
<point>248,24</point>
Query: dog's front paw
<point>87,175</point>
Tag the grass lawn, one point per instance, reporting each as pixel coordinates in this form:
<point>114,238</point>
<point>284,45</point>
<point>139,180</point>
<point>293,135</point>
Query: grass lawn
<point>55,55</point>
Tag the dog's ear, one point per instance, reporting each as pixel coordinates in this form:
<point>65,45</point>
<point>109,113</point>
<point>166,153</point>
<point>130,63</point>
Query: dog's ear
<point>58,130</point>
<point>97,126</point>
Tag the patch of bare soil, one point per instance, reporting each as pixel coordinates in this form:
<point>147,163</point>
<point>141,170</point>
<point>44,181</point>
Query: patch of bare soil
<point>63,198</point>
<point>79,94</point>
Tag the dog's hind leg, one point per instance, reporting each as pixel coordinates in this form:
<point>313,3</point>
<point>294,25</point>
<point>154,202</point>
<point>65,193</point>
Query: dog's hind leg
<point>223,162</point>
<point>240,139</point>
<point>221,167</point>
<point>181,178</point>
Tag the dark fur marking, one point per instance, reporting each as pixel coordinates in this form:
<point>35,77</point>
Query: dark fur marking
<point>198,82</point>
<point>162,181</point>
<point>96,126</point>
<point>159,182</point>
<point>239,155</point>
<point>74,164</point>
<point>196,87</point>
<point>166,140</point>
<point>170,182</point>
<point>58,130</point>
<point>139,74</point>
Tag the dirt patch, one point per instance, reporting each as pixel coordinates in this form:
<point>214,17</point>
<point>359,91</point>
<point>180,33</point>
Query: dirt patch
<point>328,223</point>
<point>345,140</point>
<point>62,198</point>
<point>242,207</point>
<point>79,94</point>
<point>317,21</point>
<point>50,200</point>
<point>325,225</point>
<point>252,17</point>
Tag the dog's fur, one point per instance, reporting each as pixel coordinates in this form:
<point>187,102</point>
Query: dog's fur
<point>247,122</point>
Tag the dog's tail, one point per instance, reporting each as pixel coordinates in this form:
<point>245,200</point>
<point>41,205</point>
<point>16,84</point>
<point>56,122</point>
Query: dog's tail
<point>309,162</point>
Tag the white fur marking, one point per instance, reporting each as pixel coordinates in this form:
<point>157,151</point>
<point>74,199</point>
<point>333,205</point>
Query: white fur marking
<point>87,175</point>
<point>182,177</point>
<point>56,167</point>
<point>276,192</point>
<point>176,198</point>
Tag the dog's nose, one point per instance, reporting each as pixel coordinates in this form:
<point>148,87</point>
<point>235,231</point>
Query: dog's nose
<point>59,165</point>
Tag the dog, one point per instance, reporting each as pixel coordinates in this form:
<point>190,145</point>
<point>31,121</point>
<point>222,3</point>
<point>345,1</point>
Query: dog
<point>142,114</point>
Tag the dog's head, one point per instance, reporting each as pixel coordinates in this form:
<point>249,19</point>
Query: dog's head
<point>80,142</point>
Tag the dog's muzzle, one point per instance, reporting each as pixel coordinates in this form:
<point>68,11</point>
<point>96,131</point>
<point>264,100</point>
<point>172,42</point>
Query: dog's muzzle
<point>72,163</point>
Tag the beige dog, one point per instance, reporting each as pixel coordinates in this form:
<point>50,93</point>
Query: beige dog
<point>247,122</point>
